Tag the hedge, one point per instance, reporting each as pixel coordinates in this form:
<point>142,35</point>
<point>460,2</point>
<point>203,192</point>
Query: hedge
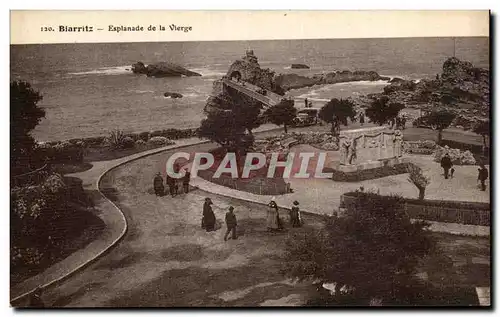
<point>463,212</point>
<point>367,174</point>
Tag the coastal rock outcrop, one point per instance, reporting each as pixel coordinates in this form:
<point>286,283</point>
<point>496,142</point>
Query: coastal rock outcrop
<point>172,95</point>
<point>300,66</point>
<point>248,69</point>
<point>460,87</point>
<point>162,69</point>
<point>294,81</point>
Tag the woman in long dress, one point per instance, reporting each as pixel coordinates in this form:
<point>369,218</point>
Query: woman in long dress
<point>273,220</point>
<point>208,220</point>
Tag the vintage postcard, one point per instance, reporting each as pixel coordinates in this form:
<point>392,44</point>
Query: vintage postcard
<point>250,159</point>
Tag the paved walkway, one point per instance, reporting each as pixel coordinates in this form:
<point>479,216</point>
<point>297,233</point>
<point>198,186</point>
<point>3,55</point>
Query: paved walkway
<point>116,224</point>
<point>108,212</point>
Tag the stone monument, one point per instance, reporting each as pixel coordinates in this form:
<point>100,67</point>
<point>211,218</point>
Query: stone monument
<point>369,148</point>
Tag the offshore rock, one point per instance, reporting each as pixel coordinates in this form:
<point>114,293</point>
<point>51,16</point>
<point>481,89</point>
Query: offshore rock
<point>172,95</point>
<point>299,66</point>
<point>162,69</point>
<point>294,81</point>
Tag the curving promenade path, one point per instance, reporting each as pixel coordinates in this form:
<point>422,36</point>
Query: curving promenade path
<point>165,259</point>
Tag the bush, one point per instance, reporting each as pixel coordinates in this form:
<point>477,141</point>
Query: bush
<point>367,174</point>
<point>159,140</point>
<point>140,142</point>
<point>457,157</point>
<point>128,142</point>
<point>116,139</point>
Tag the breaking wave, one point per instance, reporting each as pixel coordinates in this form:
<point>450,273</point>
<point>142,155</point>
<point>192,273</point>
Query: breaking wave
<point>116,70</point>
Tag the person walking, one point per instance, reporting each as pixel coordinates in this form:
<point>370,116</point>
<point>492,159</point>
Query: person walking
<point>305,103</point>
<point>446,164</point>
<point>482,176</point>
<point>295,220</point>
<point>231,224</point>
<point>158,186</point>
<point>171,185</point>
<point>273,217</point>
<point>361,118</point>
<point>185,181</point>
<point>208,220</point>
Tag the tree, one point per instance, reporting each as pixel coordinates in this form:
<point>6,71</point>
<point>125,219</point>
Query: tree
<point>483,129</point>
<point>381,110</point>
<point>336,112</point>
<point>282,114</point>
<point>371,252</point>
<point>228,117</point>
<point>440,119</point>
<point>418,179</point>
<point>25,115</point>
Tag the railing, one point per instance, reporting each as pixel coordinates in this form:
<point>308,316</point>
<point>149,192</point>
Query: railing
<point>469,213</point>
<point>266,100</point>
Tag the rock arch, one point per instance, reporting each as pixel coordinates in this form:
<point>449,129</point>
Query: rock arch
<point>235,74</point>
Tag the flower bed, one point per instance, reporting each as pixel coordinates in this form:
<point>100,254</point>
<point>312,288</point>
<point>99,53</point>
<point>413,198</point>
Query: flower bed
<point>47,223</point>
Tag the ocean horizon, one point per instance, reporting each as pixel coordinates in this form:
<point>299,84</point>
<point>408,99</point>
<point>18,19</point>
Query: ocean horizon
<point>89,90</point>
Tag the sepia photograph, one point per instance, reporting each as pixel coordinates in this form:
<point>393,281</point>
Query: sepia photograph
<point>341,171</point>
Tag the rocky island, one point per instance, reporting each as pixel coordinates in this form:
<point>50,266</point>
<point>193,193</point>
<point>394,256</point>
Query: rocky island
<point>162,69</point>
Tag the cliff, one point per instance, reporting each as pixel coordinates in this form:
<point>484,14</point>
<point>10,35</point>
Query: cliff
<point>162,69</point>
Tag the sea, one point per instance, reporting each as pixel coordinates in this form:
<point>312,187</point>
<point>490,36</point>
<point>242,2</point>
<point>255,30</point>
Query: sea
<point>88,89</point>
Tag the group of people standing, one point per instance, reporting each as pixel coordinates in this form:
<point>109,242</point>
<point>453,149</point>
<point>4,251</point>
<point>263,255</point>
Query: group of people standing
<point>273,220</point>
<point>172,183</point>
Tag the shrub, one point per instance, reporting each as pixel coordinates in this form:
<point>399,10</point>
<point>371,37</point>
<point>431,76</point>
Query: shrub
<point>367,174</point>
<point>140,142</point>
<point>418,179</point>
<point>115,139</point>
<point>159,140</point>
<point>330,146</point>
<point>128,142</point>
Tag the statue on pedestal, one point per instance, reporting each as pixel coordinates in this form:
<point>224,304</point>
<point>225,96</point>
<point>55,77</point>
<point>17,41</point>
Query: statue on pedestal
<point>352,151</point>
<point>344,150</point>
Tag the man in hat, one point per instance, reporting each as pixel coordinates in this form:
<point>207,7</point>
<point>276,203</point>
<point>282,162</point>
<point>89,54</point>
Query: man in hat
<point>185,181</point>
<point>295,215</point>
<point>158,185</point>
<point>208,220</point>
<point>482,176</point>
<point>231,224</point>
<point>446,164</point>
